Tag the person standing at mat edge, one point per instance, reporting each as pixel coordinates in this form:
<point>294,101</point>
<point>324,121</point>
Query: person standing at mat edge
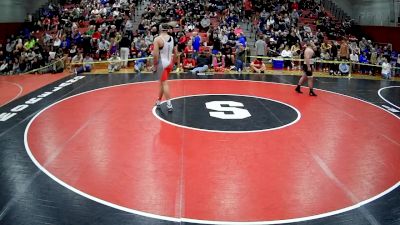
<point>308,69</point>
<point>163,56</point>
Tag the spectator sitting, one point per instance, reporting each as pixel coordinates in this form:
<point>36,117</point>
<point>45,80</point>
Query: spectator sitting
<point>364,60</point>
<point>189,50</point>
<point>84,62</point>
<point>354,59</point>
<point>140,63</point>
<point>189,63</point>
<point>5,66</point>
<point>103,48</point>
<point>35,65</point>
<point>344,69</point>
<point>58,66</point>
<point>240,58</point>
<point>398,65</point>
<point>258,66</point>
<point>203,62</point>
<point>229,55</point>
<point>218,63</point>
<point>386,69</point>
<point>114,63</point>
<point>287,56</point>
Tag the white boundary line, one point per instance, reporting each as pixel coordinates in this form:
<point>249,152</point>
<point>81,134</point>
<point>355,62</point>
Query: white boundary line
<point>384,99</point>
<point>233,132</point>
<point>180,220</point>
<point>21,89</point>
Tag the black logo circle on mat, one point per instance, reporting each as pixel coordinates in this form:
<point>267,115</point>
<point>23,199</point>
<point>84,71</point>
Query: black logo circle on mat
<point>228,113</point>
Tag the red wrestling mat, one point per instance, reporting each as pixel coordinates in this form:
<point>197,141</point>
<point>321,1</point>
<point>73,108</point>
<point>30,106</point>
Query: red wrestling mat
<point>13,87</point>
<point>107,145</point>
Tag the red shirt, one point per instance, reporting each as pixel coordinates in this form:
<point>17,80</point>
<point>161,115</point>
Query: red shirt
<point>46,21</point>
<point>99,20</point>
<point>257,64</point>
<point>188,50</point>
<point>295,6</point>
<point>247,5</point>
<point>180,12</point>
<point>189,62</point>
<point>183,39</point>
<point>96,35</point>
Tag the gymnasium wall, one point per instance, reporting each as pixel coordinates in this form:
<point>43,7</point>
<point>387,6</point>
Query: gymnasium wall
<point>372,12</point>
<point>15,11</point>
<point>382,34</point>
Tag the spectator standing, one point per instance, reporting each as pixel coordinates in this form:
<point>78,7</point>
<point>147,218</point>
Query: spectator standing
<point>124,45</point>
<point>344,50</point>
<point>261,46</point>
<point>374,61</point>
<point>196,44</point>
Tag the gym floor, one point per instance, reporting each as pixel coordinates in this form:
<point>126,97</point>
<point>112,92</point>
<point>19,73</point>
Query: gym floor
<point>246,149</point>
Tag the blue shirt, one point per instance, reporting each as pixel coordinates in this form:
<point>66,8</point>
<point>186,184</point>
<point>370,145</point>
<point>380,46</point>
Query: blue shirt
<point>363,59</point>
<point>394,56</point>
<point>196,43</point>
<point>66,43</point>
<point>242,40</point>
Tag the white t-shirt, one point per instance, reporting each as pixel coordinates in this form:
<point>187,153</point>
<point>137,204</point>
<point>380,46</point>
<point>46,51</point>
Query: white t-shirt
<point>103,11</point>
<point>354,57</point>
<point>270,22</point>
<point>386,68</point>
<point>286,53</point>
<point>116,13</point>
<point>57,43</point>
<point>52,55</point>
<point>76,59</point>
<point>129,25</point>
<point>325,56</point>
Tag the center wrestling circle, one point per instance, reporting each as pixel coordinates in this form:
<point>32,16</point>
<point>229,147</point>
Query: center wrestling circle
<point>107,145</point>
<point>229,113</point>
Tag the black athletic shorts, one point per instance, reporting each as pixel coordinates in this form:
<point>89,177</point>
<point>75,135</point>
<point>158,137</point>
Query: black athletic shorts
<point>308,73</point>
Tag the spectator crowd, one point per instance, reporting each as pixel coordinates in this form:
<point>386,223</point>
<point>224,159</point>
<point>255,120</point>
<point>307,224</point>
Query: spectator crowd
<point>210,35</point>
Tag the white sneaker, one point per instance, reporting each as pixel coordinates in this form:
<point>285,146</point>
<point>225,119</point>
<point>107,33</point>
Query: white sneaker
<point>158,103</point>
<point>170,108</point>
